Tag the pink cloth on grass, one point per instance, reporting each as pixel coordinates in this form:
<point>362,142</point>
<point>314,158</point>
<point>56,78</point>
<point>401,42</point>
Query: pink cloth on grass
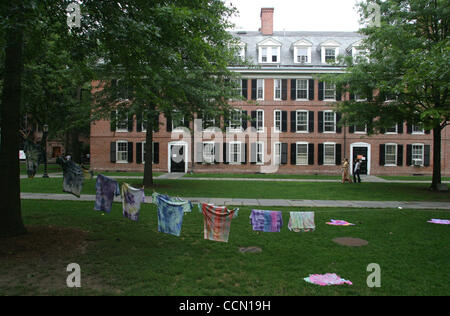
<point>326,279</point>
<point>338,222</point>
<point>440,221</point>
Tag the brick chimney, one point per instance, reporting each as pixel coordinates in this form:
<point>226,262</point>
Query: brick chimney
<point>266,21</point>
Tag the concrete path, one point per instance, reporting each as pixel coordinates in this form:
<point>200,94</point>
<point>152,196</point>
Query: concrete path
<point>264,202</point>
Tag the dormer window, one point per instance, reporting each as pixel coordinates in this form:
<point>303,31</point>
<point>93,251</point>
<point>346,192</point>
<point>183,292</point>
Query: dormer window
<point>357,52</point>
<point>269,51</point>
<point>330,55</point>
<point>302,52</point>
<point>329,51</point>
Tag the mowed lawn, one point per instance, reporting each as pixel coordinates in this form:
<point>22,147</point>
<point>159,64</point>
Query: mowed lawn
<point>121,257</point>
<point>263,190</point>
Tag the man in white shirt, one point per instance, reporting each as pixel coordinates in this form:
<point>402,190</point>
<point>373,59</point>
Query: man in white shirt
<point>357,170</point>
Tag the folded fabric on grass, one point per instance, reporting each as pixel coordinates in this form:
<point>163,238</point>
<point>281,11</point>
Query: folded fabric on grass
<point>326,279</point>
<point>131,201</point>
<point>106,188</point>
<point>266,221</point>
<point>338,222</point>
<point>73,176</point>
<point>186,205</point>
<point>217,221</point>
<point>301,221</point>
<point>439,221</point>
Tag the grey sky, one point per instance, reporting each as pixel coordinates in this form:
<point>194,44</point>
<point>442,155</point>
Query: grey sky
<point>299,15</point>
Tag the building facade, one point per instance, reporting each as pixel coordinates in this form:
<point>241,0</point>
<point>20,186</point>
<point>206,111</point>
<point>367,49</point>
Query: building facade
<point>291,126</point>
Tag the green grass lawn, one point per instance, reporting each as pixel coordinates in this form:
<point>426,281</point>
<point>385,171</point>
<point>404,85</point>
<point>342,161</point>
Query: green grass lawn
<point>263,190</point>
<point>412,178</point>
<point>124,174</point>
<point>51,168</point>
<point>121,257</point>
<point>263,176</point>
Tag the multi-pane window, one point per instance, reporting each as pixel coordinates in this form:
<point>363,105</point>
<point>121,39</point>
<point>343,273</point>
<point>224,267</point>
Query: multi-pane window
<point>277,120</point>
<point>122,151</point>
<point>260,89</point>
<point>302,154</point>
<point>264,54</point>
<point>329,91</point>
<point>416,129</point>
<point>302,55</point>
<point>392,130</point>
<point>236,120</point>
<point>122,121</point>
<point>302,121</point>
<point>330,55</point>
<point>360,128</point>
<point>274,55</point>
<point>208,122</point>
<point>329,122</point>
<point>302,89</point>
<point>208,152</point>
<point>277,154</point>
<point>390,154</point>
<point>237,91</point>
<point>259,152</point>
<point>259,120</point>
<point>328,154</point>
<point>277,89</point>
<point>417,154</point>
<point>235,152</point>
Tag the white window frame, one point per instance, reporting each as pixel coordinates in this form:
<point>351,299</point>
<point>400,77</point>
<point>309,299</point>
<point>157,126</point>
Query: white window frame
<point>360,132</point>
<point>269,53</point>
<point>277,156</point>
<point>279,88</point>
<point>308,54</point>
<point>423,153</point>
<point>325,98</point>
<point>210,155</point>
<point>297,122</point>
<point>231,153</point>
<point>297,163</point>
<point>275,121</point>
<point>324,154</point>
<point>413,131</point>
<point>325,54</point>
<point>334,121</point>
<point>385,155</point>
<point>260,152</point>
<point>234,128</point>
<point>357,98</point>
<point>211,120</point>
<point>258,128</point>
<point>117,151</point>
<point>260,87</point>
<point>121,130</point>
<point>297,89</point>
<point>396,130</point>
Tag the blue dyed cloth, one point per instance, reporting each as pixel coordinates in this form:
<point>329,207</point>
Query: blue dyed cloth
<point>106,189</point>
<point>73,176</point>
<point>170,215</point>
<point>187,205</point>
<point>266,221</point>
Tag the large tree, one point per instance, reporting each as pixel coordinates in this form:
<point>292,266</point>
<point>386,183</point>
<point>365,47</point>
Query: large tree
<point>404,60</point>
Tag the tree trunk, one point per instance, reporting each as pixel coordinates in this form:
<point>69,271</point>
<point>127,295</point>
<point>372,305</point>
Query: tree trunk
<point>10,212</point>
<point>436,158</point>
<point>148,157</point>
<point>75,146</point>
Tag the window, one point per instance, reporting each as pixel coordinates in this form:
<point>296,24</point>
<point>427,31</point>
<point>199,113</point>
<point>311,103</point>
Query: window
<point>122,151</point>
<point>122,121</point>
<point>328,154</point>
<point>274,55</point>
<point>259,153</point>
<point>177,121</point>
<point>330,55</point>
<point>390,155</point>
<point>264,54</point>
<point>269,54</point>
<point>208,122</point>
<point>302,121</point>
<point>302,154</point>
<point>277,120</point>
<point>362,129</point>
<point>143,153</point>
<point>277,89</point>
<point>329,91</point>
<point>302,55</point>
<point>277,154</point>
<point>417,129</point>
<point>392,130</point>
<point>236,120</point>
<point>259,120</point>
<point>144,122</point>
<point>208,152</point>
<point>329,121</point>
<point>260,89</point>
<point>235,153</point>
<point>417,154</point>
<point>237,93</point>
<point>359,98</point>
<point>302,89</point>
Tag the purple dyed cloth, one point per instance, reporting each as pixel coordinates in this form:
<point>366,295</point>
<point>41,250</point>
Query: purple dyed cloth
<point>266,221</point>
<point>439,221</point>
<point>106,189</point>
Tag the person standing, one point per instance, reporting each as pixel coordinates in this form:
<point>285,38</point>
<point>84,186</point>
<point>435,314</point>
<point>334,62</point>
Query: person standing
<point>357,170</point>
<point>346,172</point>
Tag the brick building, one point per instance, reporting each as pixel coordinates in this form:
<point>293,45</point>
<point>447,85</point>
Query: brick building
<point>293,128</point>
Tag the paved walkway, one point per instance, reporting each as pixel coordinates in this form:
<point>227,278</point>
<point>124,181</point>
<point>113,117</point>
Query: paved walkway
<point>264,202</point>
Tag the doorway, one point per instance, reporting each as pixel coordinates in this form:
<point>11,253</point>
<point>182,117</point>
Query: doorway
<point>177,157</point>
<point>362,152</point>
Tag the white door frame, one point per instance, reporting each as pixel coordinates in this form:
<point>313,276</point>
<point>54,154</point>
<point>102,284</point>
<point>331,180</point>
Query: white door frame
<point>369,156</point>
<point>169,154</point>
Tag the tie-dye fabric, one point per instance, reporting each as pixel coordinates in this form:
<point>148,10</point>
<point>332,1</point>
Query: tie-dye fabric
<point>217,221</point>
<point>326,279</point>
<point>72,176</point>
<point>170,215</point>
<point>338,222</point>
<point>301,221</point>
<point>266,221</point>
<point>34,156</point>
<point>88,174</point>
<point>106,189</point>
<point>439,221</point>
<point>186,205</point>
<point>131,201</point>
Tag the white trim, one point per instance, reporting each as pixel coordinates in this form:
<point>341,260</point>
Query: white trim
<point>368,158</point>
<point>229,153</point>
<point>396,155</point>
<point>307,153</point>
<point>262,153</point>
<point>169,156</point>
<point>275,89</point>
<point>122,130</point>
<point>117,151</point>
<point>307,122</point>
<point>423,153</point>
<point>392,133</point>
<point>334,130</point>
<point>262,128</point>
<point>274,154</point>
<point>365,129</point>
<point>307,90</point>
<point>263,87</point>
<point>334,154</point>
<point>275,119</point>
<point>213,152</point>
